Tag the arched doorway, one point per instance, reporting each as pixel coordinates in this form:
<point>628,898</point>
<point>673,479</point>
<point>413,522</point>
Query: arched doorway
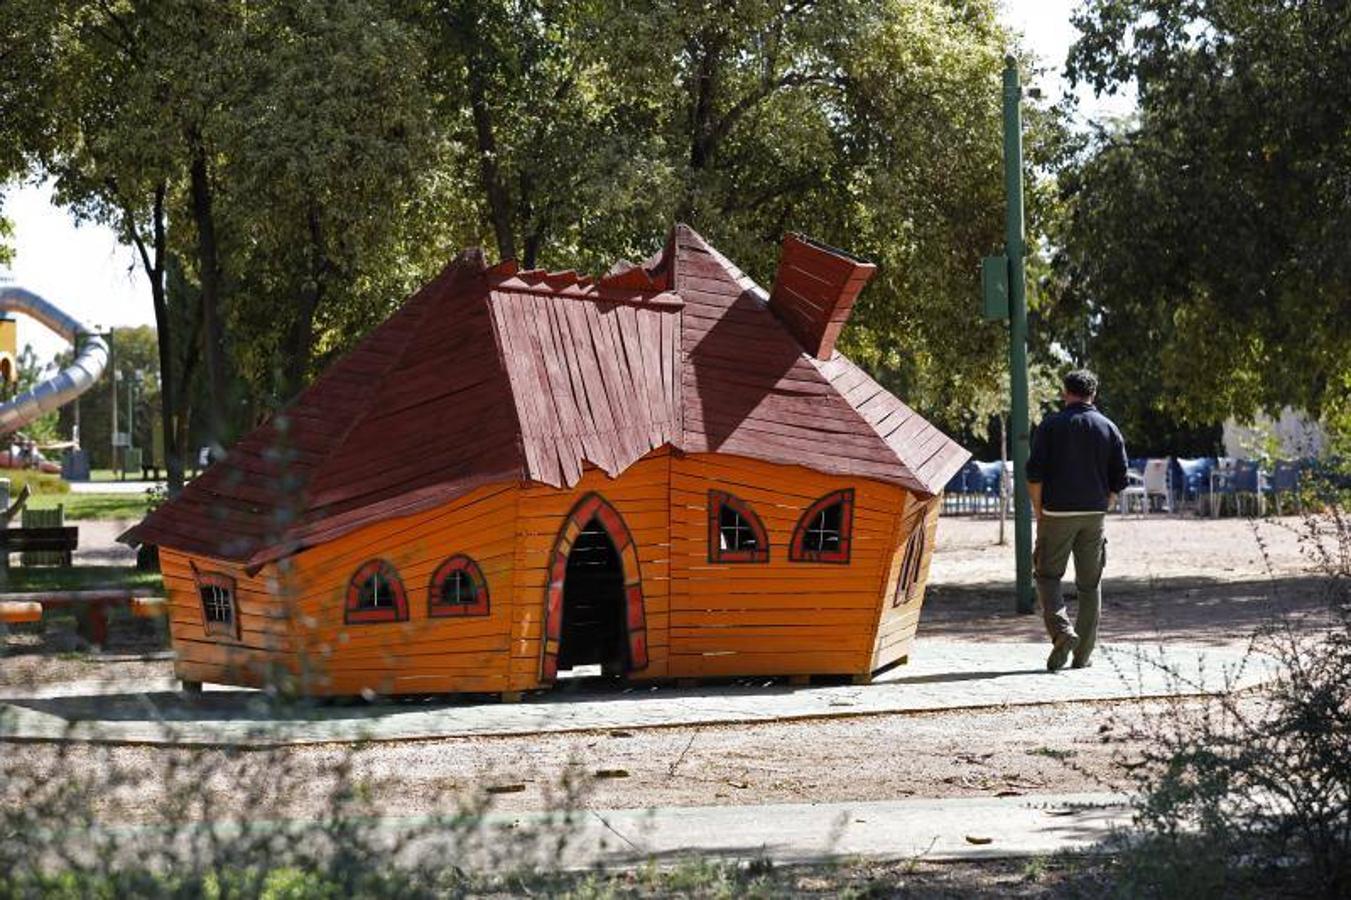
<point>593,605</point>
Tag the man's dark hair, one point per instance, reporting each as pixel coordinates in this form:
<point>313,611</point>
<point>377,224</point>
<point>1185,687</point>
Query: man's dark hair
<point>1082,383</point>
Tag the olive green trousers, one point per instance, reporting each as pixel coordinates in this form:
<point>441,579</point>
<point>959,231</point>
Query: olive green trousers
<point>1059,537</point>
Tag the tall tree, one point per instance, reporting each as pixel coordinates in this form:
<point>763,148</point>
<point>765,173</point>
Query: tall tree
<point>568,158</point>
<point>332,163</point>
<point>871,125</point>
<point>1203,260</point>
<point>85,98</point>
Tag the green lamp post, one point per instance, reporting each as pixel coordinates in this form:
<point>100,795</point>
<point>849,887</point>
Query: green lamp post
<point>1003,282</point>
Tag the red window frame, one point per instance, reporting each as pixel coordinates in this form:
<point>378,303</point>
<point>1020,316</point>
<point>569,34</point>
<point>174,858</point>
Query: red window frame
<point>223,582</point>
<point>716,501</point>
<point>911,564</point>
<point>458,563</point>
<point>397,612</point>
<point>797,551</point>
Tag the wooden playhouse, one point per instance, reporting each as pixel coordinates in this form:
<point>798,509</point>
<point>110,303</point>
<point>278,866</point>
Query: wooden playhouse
<point>664,471</point>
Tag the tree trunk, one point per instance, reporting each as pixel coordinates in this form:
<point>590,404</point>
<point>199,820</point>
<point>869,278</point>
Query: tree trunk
<point>300,342</point>
<point>701,122</point>
<point>169,413</point>
<point>208,269</point>
<point>499,199</point>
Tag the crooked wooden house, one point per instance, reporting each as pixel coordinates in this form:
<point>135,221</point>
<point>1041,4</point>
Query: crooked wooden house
<point>664,471</point>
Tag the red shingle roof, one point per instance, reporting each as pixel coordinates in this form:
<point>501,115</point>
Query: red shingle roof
<point>491,375</point>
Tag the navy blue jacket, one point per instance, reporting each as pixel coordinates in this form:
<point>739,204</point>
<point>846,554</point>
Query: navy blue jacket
<point>1079,457</point>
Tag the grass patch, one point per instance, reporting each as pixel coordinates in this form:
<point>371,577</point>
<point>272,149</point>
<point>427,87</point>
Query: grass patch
<point>82,578</point>
<point>42,483</point>
<point>86,507</point>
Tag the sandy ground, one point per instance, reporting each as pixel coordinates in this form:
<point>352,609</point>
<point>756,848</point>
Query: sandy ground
<point>1190,580</point>
<point>968,754</point>
<point>1170,579</point>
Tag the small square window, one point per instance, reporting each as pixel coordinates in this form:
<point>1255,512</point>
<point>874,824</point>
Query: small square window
<point>217,595</point>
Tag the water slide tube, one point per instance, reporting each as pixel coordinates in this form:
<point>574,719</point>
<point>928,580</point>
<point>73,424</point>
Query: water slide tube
<point>91,358</point>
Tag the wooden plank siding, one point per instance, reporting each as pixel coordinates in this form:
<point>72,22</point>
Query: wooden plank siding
<point>264,650</point>
<point>641,496</point>
<point>897,622</point>
<point>703,619</point>
<point>777,617</point>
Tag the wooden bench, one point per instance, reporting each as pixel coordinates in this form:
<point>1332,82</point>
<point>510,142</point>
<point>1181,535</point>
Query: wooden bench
<point>60,540</point>
<point>28,606</point>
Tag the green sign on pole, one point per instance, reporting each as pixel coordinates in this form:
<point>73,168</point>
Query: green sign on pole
<point>994,282</point>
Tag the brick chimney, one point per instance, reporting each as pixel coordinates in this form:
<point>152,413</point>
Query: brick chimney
<point>814,291</point>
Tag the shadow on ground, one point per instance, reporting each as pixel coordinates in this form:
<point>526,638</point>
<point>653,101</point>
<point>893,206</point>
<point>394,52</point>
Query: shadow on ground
<point>1194,610</point>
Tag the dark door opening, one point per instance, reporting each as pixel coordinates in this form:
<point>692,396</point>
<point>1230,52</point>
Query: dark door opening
<point>593,604</point>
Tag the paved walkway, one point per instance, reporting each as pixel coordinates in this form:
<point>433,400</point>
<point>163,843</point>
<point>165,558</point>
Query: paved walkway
<point>113,487</point>
<point>953,829</point>
<point>943,675</point>
<point>587,839</point>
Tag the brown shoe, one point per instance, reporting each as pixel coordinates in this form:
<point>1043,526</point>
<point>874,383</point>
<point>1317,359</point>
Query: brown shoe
<point>1078,663</point>
<point>1060,652</point>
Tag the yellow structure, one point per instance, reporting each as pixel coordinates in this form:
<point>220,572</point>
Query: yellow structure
<point>9,354</point>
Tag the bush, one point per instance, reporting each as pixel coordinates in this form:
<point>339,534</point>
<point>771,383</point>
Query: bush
<point>1252,790</point>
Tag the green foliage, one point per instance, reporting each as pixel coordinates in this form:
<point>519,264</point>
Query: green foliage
<point>94,506</point>
<point>326,198</point>
<point>6,235</point>
<point>31,370</point>
<point>136,356</point>
<point>312,161</point>
<point>1239,789</point>
<point>875,127</point>
<point>74,578</point>
<point>1202,265</point>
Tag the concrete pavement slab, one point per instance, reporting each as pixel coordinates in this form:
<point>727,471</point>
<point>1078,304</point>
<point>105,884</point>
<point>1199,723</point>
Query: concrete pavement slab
<point>932,829</point>
<point>590,839</point>
<point>943,675</point>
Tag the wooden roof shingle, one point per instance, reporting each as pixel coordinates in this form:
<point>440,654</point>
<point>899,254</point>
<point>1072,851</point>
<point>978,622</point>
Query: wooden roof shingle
<point>498,375</point>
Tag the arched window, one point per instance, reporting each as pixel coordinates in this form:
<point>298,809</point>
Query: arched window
<point>376,594</point>
<point>823,533</point>
<point>217,593</point>
<point>735,533</point>
<point>910,566</point>
<point>458,588</point>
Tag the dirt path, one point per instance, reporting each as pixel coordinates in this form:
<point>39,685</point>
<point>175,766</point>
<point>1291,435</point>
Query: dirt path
<point>1198,581</point>
<point>966,754</point>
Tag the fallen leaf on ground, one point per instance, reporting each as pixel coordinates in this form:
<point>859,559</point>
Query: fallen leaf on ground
<point>976,839</point>
<point>612,773</point>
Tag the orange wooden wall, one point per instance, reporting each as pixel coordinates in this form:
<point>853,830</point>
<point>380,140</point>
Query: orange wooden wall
<point>265,641</point>
<point>702,618</point>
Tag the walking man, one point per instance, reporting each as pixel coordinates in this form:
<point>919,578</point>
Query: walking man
<point>1076,468</point>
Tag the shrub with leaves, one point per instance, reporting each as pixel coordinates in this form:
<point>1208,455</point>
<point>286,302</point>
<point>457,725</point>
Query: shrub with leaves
<point>1250,790</point>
